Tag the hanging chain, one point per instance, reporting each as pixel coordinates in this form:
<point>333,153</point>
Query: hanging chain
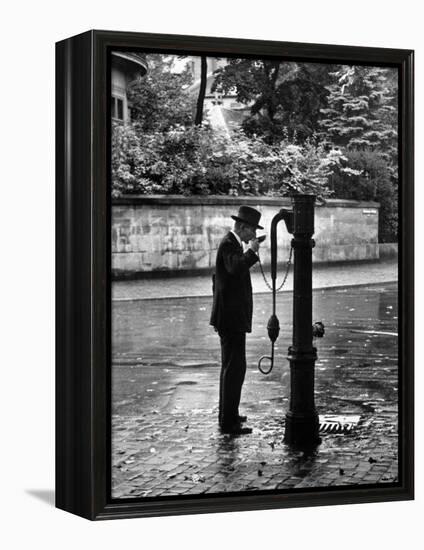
<point>285,275</point>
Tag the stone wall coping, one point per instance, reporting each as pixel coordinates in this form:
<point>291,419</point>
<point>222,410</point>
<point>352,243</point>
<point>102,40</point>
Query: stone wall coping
<point>222,200</point>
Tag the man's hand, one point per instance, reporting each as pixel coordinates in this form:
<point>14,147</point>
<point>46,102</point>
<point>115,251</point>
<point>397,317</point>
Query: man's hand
<point>254,245</point>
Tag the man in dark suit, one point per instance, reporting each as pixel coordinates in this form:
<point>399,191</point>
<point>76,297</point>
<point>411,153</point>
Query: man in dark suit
<point>232,313</point>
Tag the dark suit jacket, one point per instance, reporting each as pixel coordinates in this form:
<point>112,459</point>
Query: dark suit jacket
<point>232,294</point>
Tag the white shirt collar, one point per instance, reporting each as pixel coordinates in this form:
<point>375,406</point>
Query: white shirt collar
<point>237,237</point>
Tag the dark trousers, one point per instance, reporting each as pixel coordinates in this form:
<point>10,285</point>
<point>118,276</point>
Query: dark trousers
<point>233,370</point>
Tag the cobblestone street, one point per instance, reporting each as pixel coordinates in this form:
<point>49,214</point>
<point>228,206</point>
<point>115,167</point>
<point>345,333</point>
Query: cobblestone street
<point>184,453</point>
<point>165,439</point>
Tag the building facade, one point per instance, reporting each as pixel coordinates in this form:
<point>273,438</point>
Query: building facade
<point>125,68</point>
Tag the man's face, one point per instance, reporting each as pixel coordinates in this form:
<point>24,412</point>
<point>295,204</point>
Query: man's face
<point>247,233</point>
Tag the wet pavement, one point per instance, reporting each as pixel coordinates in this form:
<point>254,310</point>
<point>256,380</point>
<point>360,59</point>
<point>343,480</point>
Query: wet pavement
<point>166,357</point>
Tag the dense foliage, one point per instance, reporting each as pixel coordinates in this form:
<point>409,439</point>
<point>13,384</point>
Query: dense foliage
<point>326,129</point>
<point>197,160</point>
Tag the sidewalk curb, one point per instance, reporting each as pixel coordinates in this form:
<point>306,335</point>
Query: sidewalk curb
<point>258,293</point>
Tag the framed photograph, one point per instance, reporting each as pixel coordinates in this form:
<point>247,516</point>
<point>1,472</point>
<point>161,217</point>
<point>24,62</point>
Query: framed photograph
<point>234,275</point>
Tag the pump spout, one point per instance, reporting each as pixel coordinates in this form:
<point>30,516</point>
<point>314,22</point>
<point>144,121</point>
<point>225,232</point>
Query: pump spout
<point>287,216</point>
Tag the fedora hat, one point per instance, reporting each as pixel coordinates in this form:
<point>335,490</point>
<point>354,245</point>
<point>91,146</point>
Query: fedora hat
<point>248,215</point>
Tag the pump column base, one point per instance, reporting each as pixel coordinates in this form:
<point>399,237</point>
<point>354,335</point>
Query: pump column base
<point>302,421</point>
<point>302,430</point>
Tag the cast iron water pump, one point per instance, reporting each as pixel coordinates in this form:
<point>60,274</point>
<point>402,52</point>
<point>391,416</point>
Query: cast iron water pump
<point>301,423</point>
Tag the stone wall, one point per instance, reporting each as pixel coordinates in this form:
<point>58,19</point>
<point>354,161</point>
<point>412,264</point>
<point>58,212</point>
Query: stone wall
<point>171,234</point>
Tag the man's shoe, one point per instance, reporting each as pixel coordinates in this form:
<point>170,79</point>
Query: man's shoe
<point>242,418</point>
<point>236,429</point>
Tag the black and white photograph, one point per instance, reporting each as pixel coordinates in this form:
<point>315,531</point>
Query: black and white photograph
<point>211,236</point>
<point>254,261</point>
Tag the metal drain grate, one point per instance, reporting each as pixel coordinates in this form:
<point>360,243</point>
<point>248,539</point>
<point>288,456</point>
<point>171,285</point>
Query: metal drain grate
<point>334,423</point>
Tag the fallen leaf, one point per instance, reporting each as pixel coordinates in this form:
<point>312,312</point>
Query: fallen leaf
<point>197,478</point>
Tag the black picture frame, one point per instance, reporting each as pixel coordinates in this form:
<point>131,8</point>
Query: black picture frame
<point>83,266</point>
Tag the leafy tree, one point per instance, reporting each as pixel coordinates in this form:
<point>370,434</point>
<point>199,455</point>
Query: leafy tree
<point>158,101</point>
<point>362,110</point>
<point>362,119</point>
<point>282,96</point>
